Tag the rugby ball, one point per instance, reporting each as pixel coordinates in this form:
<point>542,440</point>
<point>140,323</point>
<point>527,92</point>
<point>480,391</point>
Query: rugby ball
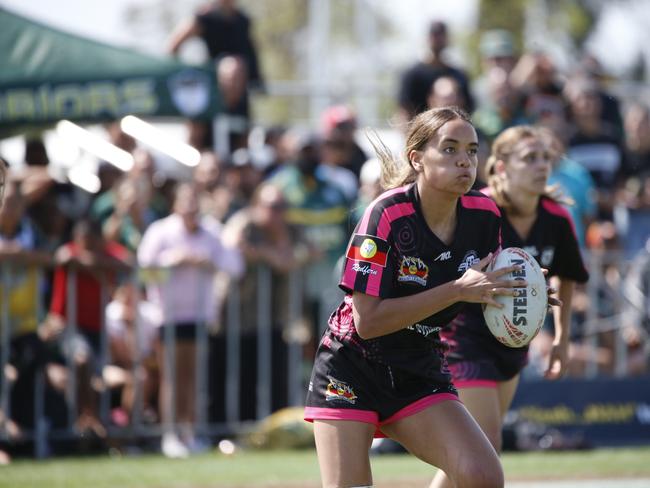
<point>522,315</point>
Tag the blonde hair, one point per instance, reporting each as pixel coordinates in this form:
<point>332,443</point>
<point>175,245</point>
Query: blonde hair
<point>502,149</point>
<point>421,129</point>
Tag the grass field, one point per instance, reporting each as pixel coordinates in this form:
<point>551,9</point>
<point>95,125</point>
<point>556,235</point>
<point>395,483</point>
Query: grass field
<point>300,469</point>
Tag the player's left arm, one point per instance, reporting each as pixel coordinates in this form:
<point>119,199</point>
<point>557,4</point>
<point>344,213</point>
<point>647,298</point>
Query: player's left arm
<point>558,359</point>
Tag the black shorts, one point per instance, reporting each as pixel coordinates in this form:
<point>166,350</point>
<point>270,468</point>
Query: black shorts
<point>478,359</point>
<point>346,386</point>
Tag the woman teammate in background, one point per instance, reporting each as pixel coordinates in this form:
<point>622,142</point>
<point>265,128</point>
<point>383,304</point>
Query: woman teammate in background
<point>411,263</point>
<point>486,372</point>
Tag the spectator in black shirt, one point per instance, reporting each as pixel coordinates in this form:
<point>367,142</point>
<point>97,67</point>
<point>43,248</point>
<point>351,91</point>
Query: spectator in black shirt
<point>225,30</point>
<point>416,81</point>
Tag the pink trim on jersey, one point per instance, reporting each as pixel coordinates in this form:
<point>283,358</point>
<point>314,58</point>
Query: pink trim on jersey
<point>374,280</point>
<point>418,406</point>
<point>556,209</point>
<point>390,214</point>
<point>317,413</point>
<point>460,384</point>
<point>363,226</point>
<point>383,229</point>
<point>386,219</point>
<point>480,203</point>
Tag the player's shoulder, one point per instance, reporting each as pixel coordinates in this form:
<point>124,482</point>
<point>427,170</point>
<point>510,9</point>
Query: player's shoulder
<point>479,202</point>
<point>387,207</point>
<point>554,209</point>
<point>394,196</point>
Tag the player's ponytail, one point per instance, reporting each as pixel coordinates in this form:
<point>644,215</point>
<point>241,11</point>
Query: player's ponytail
<point>394,172</point>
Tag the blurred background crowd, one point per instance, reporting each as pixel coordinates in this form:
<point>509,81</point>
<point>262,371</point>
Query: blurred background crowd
<point>110,294</point>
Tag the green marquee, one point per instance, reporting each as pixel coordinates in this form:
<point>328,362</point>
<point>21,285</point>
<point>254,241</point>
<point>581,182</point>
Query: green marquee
<point>48,75</point>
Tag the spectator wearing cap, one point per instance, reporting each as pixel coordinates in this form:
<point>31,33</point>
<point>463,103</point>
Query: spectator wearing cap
<point>338,146</point>
<point>415,83</point>
<point>497,50</point>
<point>502,107</point>
<point>338,128</point>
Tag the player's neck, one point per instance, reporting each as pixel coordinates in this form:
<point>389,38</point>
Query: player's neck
<point>439,211</point>
<point>523,205</point>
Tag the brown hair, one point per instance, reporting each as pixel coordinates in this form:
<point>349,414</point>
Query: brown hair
<point>421,129</point>
<point>502,149</point>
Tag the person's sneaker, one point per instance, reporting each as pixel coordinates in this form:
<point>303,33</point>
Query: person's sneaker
<point>172,447</point>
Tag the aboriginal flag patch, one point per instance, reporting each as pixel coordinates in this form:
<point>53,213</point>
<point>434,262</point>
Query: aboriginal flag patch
<point>369,249</point>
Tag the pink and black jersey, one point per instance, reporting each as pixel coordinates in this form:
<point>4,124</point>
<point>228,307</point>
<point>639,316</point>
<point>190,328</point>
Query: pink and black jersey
<point>393,253</point>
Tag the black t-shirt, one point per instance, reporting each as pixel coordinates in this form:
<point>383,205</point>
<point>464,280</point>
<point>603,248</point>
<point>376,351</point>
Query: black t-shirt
<point>229,35</point>
<point>416,82</point>
<point>393,253</point>
<point>601,154</point>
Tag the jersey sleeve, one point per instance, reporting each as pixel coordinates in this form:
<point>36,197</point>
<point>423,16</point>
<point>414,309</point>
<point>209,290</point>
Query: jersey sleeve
<point>370,263</point>
<point>567,261</point>
<point>487,219</point>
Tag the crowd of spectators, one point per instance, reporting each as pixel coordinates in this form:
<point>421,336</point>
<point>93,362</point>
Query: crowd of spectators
<point>288,211</point>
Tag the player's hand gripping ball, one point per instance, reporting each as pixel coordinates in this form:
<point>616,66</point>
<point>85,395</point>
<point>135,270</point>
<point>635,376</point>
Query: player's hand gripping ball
<point>522,315</point>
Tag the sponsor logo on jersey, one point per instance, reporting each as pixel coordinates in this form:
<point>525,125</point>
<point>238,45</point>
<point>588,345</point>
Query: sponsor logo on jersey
<point>369,249</point>
<point>443,256</point>
<point>547,256</point>
<point>425,330</point>
<point>413,270</point>
<point>470,259</point>
<point>339,391</point>
<point>544,257</point>
<point>363,269</point>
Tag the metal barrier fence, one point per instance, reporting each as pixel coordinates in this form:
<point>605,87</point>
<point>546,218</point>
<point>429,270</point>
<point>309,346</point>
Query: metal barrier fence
<point>218,400</point>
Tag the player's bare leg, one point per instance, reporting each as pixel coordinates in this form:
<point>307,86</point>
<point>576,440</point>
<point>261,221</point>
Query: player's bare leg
<point>446,436</point>
<point>488,406</point>
<point>343,452</point>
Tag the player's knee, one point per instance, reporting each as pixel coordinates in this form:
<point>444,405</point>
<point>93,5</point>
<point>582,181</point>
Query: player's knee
<point>480,475</point>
